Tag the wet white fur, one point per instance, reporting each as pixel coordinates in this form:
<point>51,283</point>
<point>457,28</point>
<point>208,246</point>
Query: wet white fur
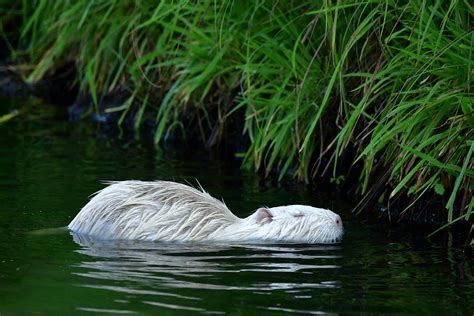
<point>171,211</point>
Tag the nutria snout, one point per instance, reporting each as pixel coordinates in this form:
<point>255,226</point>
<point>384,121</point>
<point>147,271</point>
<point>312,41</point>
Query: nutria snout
<point>170,211</point>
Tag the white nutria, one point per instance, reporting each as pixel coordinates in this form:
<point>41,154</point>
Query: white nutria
<point>170,211</point>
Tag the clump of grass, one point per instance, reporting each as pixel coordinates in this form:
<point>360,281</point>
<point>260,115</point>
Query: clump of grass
<point>317,81</point>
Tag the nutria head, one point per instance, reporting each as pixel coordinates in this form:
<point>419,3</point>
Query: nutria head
<point>297,223</point>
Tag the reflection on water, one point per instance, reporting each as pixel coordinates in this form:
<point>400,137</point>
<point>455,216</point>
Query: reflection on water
<point>158,269</point>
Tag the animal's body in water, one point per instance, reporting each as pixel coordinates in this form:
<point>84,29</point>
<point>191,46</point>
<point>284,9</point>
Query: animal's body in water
<point>170,211</point>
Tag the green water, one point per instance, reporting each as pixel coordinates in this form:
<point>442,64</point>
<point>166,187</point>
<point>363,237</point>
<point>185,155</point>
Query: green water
<point>48,168</point>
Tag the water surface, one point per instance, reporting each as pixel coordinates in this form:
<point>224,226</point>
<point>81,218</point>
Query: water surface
<point>48,167</point>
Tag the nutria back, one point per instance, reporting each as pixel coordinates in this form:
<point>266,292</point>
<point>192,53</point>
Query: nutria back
<point>160,210</point>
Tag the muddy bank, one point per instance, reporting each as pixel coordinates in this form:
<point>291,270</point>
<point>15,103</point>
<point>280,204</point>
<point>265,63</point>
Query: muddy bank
<point>60,88</point>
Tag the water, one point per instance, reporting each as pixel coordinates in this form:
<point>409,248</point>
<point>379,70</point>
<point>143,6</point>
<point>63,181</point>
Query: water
<point>48,168</point>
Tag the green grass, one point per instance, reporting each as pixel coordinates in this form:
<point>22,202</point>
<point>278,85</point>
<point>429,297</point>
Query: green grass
<point>389,84</point>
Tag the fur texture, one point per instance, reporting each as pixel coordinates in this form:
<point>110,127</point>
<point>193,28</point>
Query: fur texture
<point>169,211</point>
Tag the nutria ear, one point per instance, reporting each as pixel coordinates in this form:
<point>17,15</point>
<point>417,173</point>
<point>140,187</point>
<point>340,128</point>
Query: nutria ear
<point>264,216</point>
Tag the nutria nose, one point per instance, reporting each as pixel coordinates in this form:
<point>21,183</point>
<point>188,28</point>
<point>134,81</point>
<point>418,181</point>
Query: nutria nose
<point>338,220</point>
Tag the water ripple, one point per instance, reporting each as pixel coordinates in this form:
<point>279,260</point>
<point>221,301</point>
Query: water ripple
<point>158,271</point>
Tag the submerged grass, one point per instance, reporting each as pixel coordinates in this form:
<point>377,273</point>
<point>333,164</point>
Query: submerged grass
<point>377,83</point>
